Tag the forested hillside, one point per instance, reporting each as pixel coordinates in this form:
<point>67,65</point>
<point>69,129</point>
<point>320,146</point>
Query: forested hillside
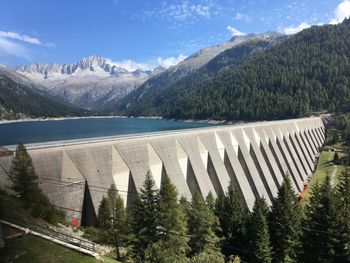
<point>310,71</point>
<point>18,101</point>
<point>151,95</point>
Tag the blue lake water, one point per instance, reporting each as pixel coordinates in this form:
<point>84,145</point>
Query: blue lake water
<point>59,130</point>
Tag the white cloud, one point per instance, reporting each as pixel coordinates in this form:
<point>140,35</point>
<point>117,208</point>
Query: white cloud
<point>15,44</point>
<point>170,61</point>
<point>131,65</point>
<point>183,11</point>
<point>341,12</point>
<point>235,32</point>
<point>242,17</point>
<point>8,47</point>
<point>295,29</point>
<point>20,37</point>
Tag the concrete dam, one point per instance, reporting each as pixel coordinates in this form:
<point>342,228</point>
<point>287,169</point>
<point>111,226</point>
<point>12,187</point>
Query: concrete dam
<point>256,156</point>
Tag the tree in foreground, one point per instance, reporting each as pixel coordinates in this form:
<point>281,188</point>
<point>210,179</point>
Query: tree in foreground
<point>233,219</point>
<point>284,221</point>
<point>25,184</point>
<point>201,221</point>
<point>320,233</point>
<point>145,216</point>
<point>112,220</point>
<point>258,232</point>
<point>342,197</point>
<point>172,240</point>
<point>23,176</point>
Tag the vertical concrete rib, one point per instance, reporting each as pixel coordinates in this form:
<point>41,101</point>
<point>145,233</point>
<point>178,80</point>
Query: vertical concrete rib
<point>278,146</point>
<point>167,150</point>
<point>310,142</point>
<point>216,168</point>
<point>260,162</point>
<point>60,180</point>
<point>135,154</point>
<point>317,139</point>
<point>302,159</point>
<point>121,176</point>
<point>272,162</point>
<point>313,140</point>
<point>305,152</point>
<point>95,164</point>
<point>292,153</point>
<point>235,170</point>
<point>191,146</point>
<point>305,142</point>
<point>258,179</point>
<point>320,132</point>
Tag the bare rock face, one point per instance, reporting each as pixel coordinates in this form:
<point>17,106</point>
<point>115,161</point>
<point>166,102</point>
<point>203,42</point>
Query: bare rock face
<point>91,83</point>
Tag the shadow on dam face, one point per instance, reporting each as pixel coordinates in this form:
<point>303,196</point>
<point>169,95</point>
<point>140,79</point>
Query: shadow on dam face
<point>88,217</point>
<point>225,155</point>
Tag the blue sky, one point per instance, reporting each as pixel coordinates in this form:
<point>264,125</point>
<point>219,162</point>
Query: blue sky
<point>141,33</point>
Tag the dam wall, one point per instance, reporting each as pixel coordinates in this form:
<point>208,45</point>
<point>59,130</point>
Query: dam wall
<point>256,156</point>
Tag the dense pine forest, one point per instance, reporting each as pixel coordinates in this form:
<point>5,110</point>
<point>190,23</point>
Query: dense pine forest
<point>19,101</point>
<point>308,72</point>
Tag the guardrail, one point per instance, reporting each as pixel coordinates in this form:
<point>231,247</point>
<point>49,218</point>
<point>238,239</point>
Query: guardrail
<point>51,233</point>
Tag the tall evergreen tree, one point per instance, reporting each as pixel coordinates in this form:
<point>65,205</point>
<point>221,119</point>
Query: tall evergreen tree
<point>104,215</point>
<point>259,246</point>
<point>25,184</point>
<point>172,244</point>
<point>23,176</point>
<point>201,223</point>
<point>285,220</point>
<point>233,219</point>
<point>342,195</point>
<point>145,216</point>
<point>112,220</point>
<point>320,234</point>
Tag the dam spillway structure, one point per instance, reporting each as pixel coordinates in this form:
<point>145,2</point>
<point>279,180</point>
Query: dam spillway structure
<point>255,156</point>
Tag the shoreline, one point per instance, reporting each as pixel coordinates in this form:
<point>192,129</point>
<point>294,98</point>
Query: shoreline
<point>219,122</point>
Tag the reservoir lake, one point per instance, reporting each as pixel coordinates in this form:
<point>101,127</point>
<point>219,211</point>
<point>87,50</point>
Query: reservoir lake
<point>72,129</point>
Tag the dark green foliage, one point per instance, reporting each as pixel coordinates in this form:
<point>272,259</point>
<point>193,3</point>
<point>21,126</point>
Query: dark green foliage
<point>172,243</point>
<point>145,215</point>
<point>207,257</point>
<point>18,101</point>
<point>285,223</point>
<point>201,221</point>
<point>320,233</point>
<point>259,245</point>
<point>22,175</point>
<point>150,97</point>
<point>336,158</point>
<point>233,219</point>
<point>342,195</point>
<point>307,72</point>
<point>25,184</point>
<point>112,221</point>
<point>104,215</point>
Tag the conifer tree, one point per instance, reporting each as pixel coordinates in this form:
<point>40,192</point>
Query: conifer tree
<point>342,194</point>
<point>285,220</point>
<point>112,220</point>
<point>259,246</point>
<point>233,219</point>
<point>172,244</point>
<point>145,216</point>
<point>201,223</point>
<point>104,215</point>
<point>320,234</point>
<point>25,184</point>
<point>23,176</point>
